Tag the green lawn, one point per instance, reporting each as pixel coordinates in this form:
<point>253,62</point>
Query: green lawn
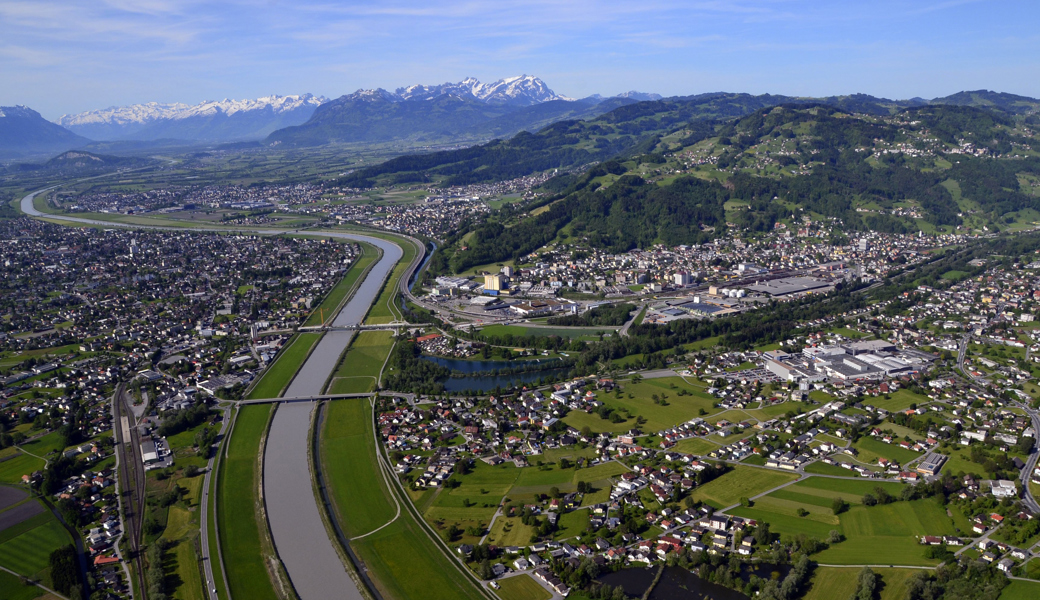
<point>406,564</point>
<point>521,587</point>
<point>289,360</point>
<point>12,469</point>
<point>870,449</point>
<point>898,400</point>
<point>11,588</point>
<point>359,369</point>
<point>383,309</point>
<point>339,291</point>
<point>42,446</point>
<point>835,583</point>
<point>696,445</point>
<point>1021,590</point>
<point>894,527</point>
<point>349,459</point>
<point>28,553</point>
<point>401,558</point>
<point>678,409</point>
<point>740,482</point>
<point>236,500</point>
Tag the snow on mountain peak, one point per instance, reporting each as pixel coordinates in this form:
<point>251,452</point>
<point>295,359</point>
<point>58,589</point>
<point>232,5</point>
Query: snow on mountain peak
<point>154,111</point>
<point>520,89</point>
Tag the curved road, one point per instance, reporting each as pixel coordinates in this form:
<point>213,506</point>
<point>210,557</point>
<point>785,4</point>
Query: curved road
<point>298,532</point>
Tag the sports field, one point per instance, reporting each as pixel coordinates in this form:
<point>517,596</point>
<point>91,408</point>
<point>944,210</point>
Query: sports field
<point>278,375</point>
<point>236,507</point>
<point>359,369</point>
<point>348,454</point>
<point>327,309</point>
<point>740,482</point>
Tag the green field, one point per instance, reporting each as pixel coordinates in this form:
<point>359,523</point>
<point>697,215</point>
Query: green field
<point>740,482</point>
<point>26,548</point>
<point>236,507</point>
<point>356,487</point>
<point>898,400</point>
<point>839,584</point>
<point>289,360</point>
<point>383,309</point>
<point>11,588</point>
<point>894,527</point>
<point>358,371</point>
<point>44,445</point>
<point>521,587</point>
<point>12,469</point>
<point>1021,590</point>
<point>402,559</point>
<point>678,409</point>
<point>870,449</point>
<point>699,446</point>
<point>586,333</point>
<point>338,293</point>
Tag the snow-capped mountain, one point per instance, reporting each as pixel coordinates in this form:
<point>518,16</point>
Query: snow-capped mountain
<point>222,120</point>
<point>523,90</point>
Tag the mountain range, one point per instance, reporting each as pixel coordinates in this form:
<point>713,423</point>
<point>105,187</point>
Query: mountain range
<point>465,112</point>
<point>224,120</point>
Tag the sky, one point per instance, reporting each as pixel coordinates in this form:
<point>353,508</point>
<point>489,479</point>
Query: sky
<point>61,57</point>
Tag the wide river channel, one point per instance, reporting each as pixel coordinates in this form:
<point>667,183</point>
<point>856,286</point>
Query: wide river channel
<point>299,534</point>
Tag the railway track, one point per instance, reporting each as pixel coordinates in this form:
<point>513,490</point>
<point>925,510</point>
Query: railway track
<point>132,480</point>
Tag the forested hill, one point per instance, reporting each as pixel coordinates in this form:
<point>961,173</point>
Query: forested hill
<point>686,180</point>
<point>573,143</point>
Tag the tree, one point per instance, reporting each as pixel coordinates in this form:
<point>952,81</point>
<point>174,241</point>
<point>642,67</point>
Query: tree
<point>554,492</point>
<point>839,505</point>
<point>746,502</point>
<point>866,585</point>
<point>869,500</point>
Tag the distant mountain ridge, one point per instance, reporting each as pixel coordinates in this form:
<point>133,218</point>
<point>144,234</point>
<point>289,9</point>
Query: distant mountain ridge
<point>223,120</point>
<point>24,132</point>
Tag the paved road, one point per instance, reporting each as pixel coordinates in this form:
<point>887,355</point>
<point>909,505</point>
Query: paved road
<point>1034,455</point>
<point>207,553</point>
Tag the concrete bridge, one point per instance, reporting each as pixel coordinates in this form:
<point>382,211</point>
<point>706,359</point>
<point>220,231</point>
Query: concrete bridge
<point>384,326</point>
<point>409,397</point>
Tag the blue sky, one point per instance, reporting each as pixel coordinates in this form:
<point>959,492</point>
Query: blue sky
<point>70,56</point>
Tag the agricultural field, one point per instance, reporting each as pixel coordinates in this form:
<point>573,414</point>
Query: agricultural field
<point>239,480</point>
<point>12,469</point>
<point>521,587</point>
<point>637,399</point>
<point>327,309</point>
<point>356,487</point>
<point>695,445</point>
<point>895,526</point>
<point>740,482</point>
<point>830,583</point>
<point>1021,590</point>
<point>359,369</point>
<point>278,375</point>
<point>11,588</point>
<point>25,548</point>
<point>44,445</point>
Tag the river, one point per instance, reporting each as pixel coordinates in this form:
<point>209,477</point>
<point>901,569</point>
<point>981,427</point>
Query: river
<point>299,534</point>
